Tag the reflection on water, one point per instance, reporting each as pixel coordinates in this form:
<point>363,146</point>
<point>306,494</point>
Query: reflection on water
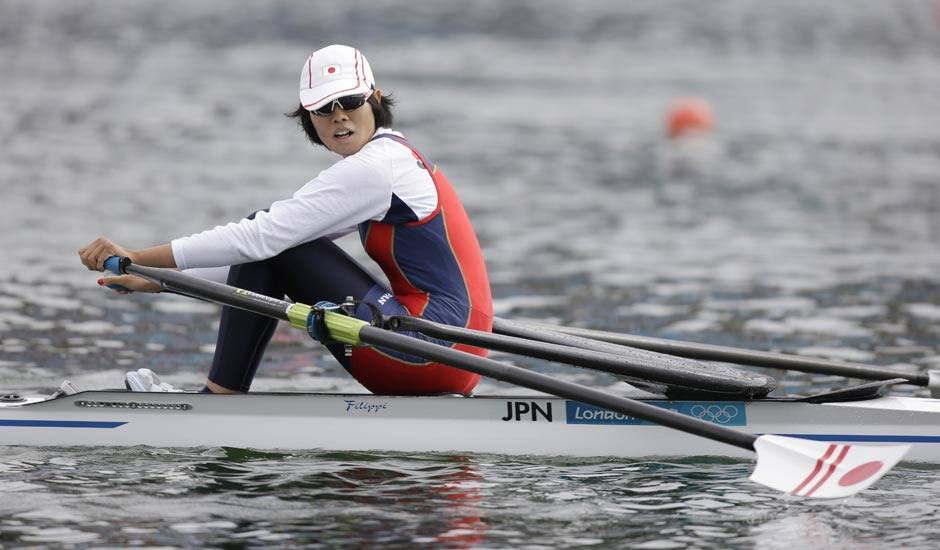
<point>808,221</point>
<point>301,498</point>
<point>165,496</point>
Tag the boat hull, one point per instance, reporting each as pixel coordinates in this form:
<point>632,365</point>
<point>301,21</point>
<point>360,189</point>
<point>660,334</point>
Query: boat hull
<point>510,425</point>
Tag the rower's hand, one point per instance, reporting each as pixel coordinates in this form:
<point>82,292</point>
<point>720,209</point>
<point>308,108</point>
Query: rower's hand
<point>130,283</point>
<point>97,251</point>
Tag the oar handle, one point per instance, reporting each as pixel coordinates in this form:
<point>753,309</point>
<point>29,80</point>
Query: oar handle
<point>113,264</point>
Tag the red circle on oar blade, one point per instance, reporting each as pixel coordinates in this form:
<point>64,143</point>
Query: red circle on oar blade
<point>860,473</point>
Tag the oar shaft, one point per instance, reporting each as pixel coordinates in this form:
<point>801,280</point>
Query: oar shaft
<point>710,352</point>
<point>620,360</point>
<point>213,291</point>
<point>540,382</point>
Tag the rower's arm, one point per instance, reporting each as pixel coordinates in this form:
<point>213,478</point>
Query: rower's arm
<point>355,189</point>
<point>155,256</point>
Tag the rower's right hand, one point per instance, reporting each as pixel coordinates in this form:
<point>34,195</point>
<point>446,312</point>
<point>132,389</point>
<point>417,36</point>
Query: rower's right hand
<point>129,283</point>
<point>97,251</point>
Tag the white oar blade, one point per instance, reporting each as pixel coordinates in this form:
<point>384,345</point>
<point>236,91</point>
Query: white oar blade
<point>818,469</point>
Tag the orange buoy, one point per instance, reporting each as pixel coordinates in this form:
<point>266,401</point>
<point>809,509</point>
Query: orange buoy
<point>688,116</point>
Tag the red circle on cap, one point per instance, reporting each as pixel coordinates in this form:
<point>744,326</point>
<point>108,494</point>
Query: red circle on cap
<point>331,70</point>
<point>860,473</point>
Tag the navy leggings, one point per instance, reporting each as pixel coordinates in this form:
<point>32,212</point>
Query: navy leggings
<point>311,272</point>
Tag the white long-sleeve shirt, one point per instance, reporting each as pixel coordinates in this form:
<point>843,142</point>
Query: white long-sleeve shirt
<point>358,188</point>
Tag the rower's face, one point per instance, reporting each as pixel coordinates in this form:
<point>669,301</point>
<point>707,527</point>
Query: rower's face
<point>345,132</point>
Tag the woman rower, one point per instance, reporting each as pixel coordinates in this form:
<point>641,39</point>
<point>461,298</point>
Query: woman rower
<point>409,219</point>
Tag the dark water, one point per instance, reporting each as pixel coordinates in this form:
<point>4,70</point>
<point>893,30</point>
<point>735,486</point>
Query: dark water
<point>808,221</point>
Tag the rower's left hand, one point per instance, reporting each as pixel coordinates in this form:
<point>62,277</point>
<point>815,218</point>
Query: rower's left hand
<point>125,284</point>
<point>97,251</point>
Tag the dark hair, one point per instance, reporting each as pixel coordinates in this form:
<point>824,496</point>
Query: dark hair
<point>381,110</point>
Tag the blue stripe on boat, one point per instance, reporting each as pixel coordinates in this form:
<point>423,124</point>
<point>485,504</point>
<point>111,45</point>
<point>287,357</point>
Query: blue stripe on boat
<point>869,438</point>
<point>59,424</point>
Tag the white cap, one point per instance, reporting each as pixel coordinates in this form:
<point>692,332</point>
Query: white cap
<point>333,72</point>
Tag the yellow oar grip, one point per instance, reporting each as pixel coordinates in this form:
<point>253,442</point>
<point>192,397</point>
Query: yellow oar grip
<point>297,315</point>
<point>342,328</point>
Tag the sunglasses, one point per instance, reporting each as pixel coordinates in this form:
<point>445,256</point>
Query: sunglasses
<point>347,103</point>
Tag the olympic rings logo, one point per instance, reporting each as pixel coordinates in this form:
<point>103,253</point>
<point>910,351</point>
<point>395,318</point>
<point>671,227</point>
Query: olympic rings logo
<point>719,414</point>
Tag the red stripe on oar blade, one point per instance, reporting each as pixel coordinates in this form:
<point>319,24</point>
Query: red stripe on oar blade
<point>816,469</point>
<point>832,468</point>
<point>861,473</point>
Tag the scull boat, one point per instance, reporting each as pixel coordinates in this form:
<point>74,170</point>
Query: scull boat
<point>509,425</point>
<point>825,446</point>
